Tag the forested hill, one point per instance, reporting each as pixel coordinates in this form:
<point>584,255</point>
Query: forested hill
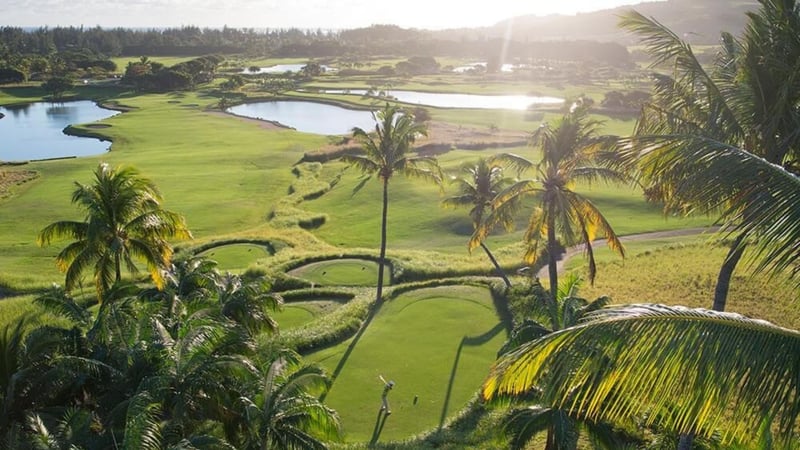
<point>699,21</point>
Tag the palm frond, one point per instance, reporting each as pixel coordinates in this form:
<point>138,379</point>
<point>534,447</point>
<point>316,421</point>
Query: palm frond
<point>56,300</point>
<point>514,162</point>
<point>718,370</point>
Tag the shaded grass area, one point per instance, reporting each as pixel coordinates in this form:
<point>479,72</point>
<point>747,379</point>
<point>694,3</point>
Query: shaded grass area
<point>14,309</point>
<point>440,365</point>
<point>341,272</point>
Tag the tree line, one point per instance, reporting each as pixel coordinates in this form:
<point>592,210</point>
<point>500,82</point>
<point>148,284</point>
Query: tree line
<point>370,41</point>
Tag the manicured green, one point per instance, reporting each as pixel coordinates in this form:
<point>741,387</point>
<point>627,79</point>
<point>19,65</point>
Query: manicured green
<point>341,272</point>
<point>236,256</point>
<point>436,344</point>
<point>293,316</point>
<point>298,313</point>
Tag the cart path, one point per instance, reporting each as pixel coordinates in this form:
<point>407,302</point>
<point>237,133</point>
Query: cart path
<point>578,249</point>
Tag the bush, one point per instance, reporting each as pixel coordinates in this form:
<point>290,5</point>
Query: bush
<point>9,75</point>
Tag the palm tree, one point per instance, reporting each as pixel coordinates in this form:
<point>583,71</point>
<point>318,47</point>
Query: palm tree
<point>750,99</point>
<point>697,370</point>
<point>287,413</point>
<point>571,151</point>
<point>562,426</point>
<point>478,185</point>
<point>694,370</point>
<point>246,303</point>
<point>124,222</point>
<point>386,152</point>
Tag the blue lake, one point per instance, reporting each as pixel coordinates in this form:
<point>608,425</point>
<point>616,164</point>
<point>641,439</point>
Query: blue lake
<point>308,117</point>
<point>35,130</point>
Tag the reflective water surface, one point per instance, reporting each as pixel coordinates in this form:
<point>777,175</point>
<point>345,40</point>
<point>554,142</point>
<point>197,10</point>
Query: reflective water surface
<point>34,131</point>
<point>308,117</point>
<point>452,100</point>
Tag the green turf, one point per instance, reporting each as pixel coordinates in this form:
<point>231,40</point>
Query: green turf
<point>226,176</point>
<point>417,221</point>
<point>341,272</point>
<point>293,316</point>
<point>437,344</point>
<point>297,313</point>
<point>234,257</point>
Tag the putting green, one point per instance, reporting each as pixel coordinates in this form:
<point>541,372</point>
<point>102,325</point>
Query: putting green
<point>436,344</point>
<point>293,316</point>
<point>341,272</point>
<point>236,256</point>
<point>298,313</point>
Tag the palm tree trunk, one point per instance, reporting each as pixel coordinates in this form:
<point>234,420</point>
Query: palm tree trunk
<point>382,257</point>
<point>726,273</point>
<point>117,268</point>
<point>551,438</point>
<point>496,265</point>
<point>552,263</point>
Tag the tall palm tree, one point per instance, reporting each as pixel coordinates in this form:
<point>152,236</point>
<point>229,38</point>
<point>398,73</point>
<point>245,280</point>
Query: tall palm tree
<point>386,152</point>
<point>701,370</point>
<point>749,99</point>
<point>571,151</point>
<point>124,222</point>
<point>478,185</point>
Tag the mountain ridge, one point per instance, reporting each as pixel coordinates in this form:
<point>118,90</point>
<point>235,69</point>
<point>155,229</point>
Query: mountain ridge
<point>697,21</point>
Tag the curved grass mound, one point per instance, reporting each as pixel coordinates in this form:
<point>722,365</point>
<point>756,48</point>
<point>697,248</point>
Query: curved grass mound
<point>341,272</point>
<point>298,313</point>
<point>236,256</point>
<point>436,344</point>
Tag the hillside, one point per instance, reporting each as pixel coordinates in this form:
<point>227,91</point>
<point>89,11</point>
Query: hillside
<point>699,21</point>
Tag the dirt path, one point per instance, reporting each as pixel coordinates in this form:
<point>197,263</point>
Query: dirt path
<point>578,249</point>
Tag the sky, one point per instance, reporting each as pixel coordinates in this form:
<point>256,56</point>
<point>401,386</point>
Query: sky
<point>324,14</point>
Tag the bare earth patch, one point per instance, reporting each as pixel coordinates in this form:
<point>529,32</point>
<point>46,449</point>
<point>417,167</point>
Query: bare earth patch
<point>11,179</point>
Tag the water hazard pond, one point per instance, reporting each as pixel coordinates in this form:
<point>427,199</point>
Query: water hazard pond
<point>456,100</point>
<point>308,117</point>
<point>35,130</point>
<point>322,118</point>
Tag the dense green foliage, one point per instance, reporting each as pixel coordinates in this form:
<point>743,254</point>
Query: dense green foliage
<point>696,372</point>
<point>158,368</point>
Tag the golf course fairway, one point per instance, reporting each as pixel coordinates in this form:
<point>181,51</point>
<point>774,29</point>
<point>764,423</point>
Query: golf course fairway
<point>436,344</point>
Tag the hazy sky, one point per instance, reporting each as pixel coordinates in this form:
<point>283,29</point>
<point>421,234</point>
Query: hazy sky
<point>326,14</point>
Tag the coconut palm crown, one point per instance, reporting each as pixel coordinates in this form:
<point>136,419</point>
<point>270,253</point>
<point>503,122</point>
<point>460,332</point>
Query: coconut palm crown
<point>124,223</point>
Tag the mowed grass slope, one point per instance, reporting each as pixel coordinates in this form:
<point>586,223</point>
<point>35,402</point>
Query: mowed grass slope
<point>418,221</point>
<point>436,344</point>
